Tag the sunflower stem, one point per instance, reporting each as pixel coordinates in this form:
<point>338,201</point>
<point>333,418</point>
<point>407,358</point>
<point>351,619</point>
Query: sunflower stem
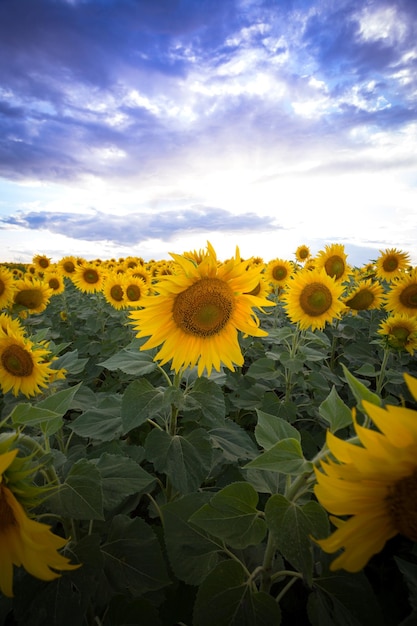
<point>269,555</point>
<point>380,381</point>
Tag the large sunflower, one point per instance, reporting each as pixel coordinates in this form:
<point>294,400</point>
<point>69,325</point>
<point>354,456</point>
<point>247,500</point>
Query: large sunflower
<point>374,483</point>
<point>402,295</point>
<point>391,263</point>
<point>333,260</point>
<point>198,312</point>
<point>312,298</point>
<point>22,366</point>
<point>32,294</point>
<point>366,295</point>
<point>399,332</point>
<point>25,542</point>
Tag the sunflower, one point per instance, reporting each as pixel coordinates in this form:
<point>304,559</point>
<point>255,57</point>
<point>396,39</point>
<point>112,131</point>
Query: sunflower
<point>135,289</point>
<point>312,298</point>
<point>333,260</point>
<point>55,282</point>
<point>391,263</point>
<point>67,265</point>
<point>7,287</point>
<point>365,296</point>
<point>10,326</point>
<point>402,295</point>
<point>399,332</point>
<point>24,542</point>
<point>23,366</point>
<point>302,254</point>
<point>113,290</point>
<point>89,277</point>
<point>374,483</point>
<point>41,261</point>
<point>32,294</point>
<point>197,313</point>
<point>278,271</point>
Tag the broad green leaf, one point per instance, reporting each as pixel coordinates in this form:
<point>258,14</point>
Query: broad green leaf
<point>25,414</point>
<point>141,401</point>
<point>185,460</point>
<point>70,362</point>
<point>232,516</point>
<point>102,422</point>
<point>291,528</point>
<point>80,496</point>
<point>234,441</point>
<point>191,551</point>
<point>61,401</point>
<point>359,390</point>
<point>286,456</point>
<point>335,412</point>
<point>409,571</point>
<point>270,429</point>
<point>343,599</point>
<point>131,361</point>
<point>206,401</point>
<point>133,558</point>
<point>263,368</point>
<point>226,599</point>
<point>121,477</point>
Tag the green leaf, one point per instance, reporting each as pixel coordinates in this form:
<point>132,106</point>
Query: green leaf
<point>102,422</point>
<point>206,401</point>
<point>343,599</point>
<point>70,362</point>
<point>185,460</point>
<point>25,414</point>
<point>80,496</point>
<point>335,412</point>
<point>141,401</point>
<point>61,401</point>
<point>409,571</point>
<point>225,599</point>
<point>133,558</point>
<point>191,551</point>
<point>359,390</point>
<point>234,441</point>
<point>232,516</point>
<point>121,477</point>
<point>286,456</point>
<point>270,429</point>
<point>263,368</point>
<point>130,361</point>
<point>291,526</point>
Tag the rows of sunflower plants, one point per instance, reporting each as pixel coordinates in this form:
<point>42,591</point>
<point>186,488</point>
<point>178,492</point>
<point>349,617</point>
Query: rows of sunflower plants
<point>196,441</point>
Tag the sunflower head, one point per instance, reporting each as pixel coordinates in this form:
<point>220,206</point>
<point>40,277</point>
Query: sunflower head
<point>391,263</point>
<point>7,286</point>
<point>402,294</point>
<point>333,260</point>
<point>399,332</point>
<point>32,295</point>
<point>302,254</point>
<point>41,261</point>
<point>198,311</point>
<point>312,298</point>
<point>365,296</point>
<point>278,272</point>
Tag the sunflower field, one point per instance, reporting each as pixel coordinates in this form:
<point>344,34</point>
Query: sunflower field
<point>201,441</point>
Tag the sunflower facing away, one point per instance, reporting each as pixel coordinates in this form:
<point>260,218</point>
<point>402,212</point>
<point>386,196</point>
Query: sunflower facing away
<point>313,298</point>
<point>197,313</point>
<point>374,483</point>
<point>24,542</point>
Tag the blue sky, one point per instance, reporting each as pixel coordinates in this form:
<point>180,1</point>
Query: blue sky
<point>143,127</point>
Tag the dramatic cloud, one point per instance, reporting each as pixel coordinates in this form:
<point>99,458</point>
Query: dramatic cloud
<point>228,104</point>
